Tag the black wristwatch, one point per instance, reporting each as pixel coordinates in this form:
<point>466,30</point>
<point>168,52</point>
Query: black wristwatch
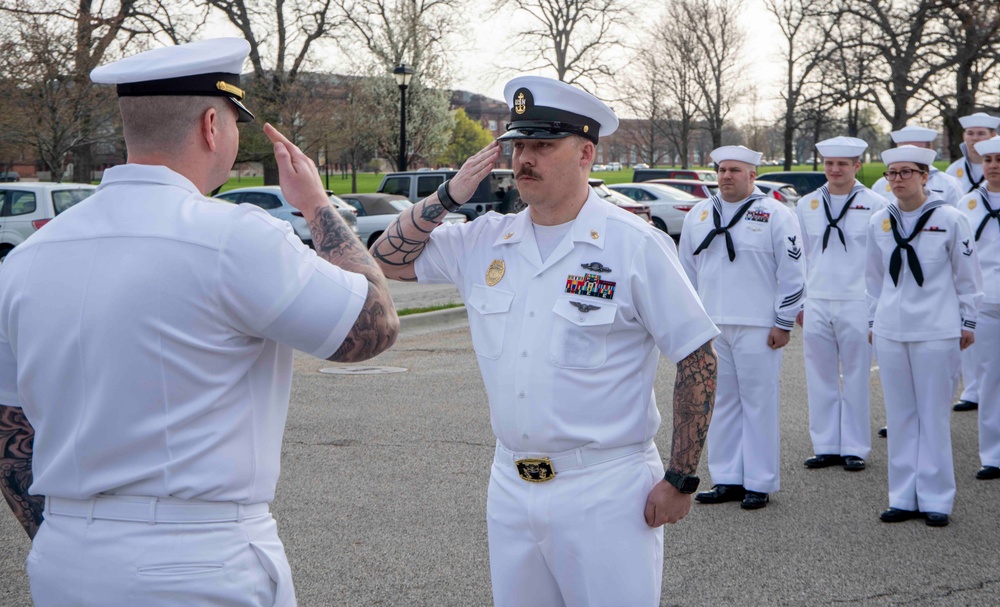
<point>685,483</point>
<point>444,197</point>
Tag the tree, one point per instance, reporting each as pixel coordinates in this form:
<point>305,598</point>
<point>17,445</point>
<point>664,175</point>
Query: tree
<point>467,138</point>
<point>680,50</point>
<point>644,93</point>
<point>353,137</point>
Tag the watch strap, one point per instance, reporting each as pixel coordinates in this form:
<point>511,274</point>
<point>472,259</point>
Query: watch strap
<point>444,197</point>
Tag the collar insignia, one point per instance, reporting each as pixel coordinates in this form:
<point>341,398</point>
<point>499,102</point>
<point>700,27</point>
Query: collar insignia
<point>508,235</point>
<point>594,235</point>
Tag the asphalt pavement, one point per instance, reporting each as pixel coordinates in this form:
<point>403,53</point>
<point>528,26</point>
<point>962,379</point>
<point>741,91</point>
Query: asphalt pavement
<point>382,499</point>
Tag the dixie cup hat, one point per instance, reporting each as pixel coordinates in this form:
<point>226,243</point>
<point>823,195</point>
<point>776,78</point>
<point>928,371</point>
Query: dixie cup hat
<point>908,134</point>
<point>988,146</point>
<point>543,108</point>
<point>842,147</point>
<point>736,152</point>
<point>979,119</point>
<point>909,153</point>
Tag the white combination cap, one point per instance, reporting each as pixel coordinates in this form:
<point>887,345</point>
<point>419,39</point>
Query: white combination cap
<point>988,146</point>
<point>913,133</point>
<point>543,108</point>
<point>979,119</point>
<point>203,68</point>
<point>736,152</point>
<point>842,147</point>
<point>909,153</point>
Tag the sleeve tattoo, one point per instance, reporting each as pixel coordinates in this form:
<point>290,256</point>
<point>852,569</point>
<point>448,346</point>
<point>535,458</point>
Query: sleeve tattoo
<point>402,244</point>
<point>16,438</point>
<point>694,398</point>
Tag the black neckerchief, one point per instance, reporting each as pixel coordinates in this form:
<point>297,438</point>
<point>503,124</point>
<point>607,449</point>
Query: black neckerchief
<point>968,171</point>
<point>831,221</point>
<point>717,218</point>
<point>991,213</point>
<point>903,244</point>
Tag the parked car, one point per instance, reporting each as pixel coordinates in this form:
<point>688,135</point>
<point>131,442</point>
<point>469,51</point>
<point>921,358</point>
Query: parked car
<point>803,181</point>
<point>9,176</point>
<point>496,192</point>
<point>270,198</point>
<point>613,166</point>
<point>377,211</point>
<point>782,192</point>
<point>648,174</point>
<point>27,206</point>
<point>668,205</point>
<point>640,165</point>
<point>621,200</point>
<point>597,168</point>
<point>694,187</point>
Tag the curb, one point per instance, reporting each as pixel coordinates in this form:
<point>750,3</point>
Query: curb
<point>431,320</point>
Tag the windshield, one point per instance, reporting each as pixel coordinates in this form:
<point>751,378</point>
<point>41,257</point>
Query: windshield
<point>400,205</point>
<point>64,199</point>
<point>671,192</point>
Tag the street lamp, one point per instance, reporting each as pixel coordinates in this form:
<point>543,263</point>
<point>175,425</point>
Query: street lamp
<point>402,73</point>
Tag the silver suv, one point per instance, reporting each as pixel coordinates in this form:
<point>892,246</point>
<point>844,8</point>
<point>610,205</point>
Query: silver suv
<point>496,192</point>
<point>27,206</point>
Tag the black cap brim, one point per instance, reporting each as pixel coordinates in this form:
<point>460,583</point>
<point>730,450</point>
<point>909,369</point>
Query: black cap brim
<point>533,134</point>
<point>244,115</point>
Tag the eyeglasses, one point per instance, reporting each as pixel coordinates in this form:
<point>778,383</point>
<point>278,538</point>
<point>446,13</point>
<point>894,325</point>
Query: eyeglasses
<point>904,174</point>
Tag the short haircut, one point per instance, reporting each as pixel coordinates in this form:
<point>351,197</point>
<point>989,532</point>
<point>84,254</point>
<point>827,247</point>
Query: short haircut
<point>923,167</point>
<point>163,124</point>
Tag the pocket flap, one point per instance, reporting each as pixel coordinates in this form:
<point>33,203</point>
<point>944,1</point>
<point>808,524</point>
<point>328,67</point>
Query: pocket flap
<point>487,300</point>
<point>586,311</point>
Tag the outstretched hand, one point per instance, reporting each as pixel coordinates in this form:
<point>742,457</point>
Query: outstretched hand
<point>463,185</point>
<point>297,175</point>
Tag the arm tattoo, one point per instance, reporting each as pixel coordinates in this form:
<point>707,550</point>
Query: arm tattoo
<point>377,325</point>
<point>405,239</point>
<point>694,397</point>
<point>16,438</point>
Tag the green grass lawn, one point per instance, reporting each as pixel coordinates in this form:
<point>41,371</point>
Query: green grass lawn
<point>367,183</point>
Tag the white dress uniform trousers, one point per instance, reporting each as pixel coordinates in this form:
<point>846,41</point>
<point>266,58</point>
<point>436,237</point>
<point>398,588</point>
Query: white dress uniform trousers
<point>835,324</point>
<point>917,322</point>
<point>568,348</point>
<point>747,289</point>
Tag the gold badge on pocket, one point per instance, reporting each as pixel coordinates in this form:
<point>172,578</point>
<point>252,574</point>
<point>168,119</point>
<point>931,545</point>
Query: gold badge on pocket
<point>495,273</point>
<point>972,203</point>
<point>886,225</point>
<point>814,204</point>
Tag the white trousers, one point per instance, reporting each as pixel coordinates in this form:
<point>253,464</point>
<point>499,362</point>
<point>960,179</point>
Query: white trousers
<point>970,375</point>
<point>835,342</point>
<point>105,563</point>
<point>988,346</point>
<point>578,540</point>
<point>918,381</point>
<point>743,442</point>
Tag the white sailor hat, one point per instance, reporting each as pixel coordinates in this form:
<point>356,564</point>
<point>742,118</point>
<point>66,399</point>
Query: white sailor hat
<point>203,68</point>
<point>543,108</point>
<point>979,119</point>
<point>842,147</point>
<point>909,153</point>
<point>913,133</point>
<point>736,152</point>
<point>988,146</point>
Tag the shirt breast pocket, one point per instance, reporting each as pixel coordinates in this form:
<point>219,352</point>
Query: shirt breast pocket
<point>580,331</point>
<point>932,247</point>
<point>488,311</point>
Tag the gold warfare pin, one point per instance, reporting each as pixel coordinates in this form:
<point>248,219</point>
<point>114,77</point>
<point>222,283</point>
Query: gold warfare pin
<point>495,273</point>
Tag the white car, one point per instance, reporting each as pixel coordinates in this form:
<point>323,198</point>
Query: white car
<point>667,204</point>
<point>377,211</point>
<point>270,198</point>
<point>27,206</point>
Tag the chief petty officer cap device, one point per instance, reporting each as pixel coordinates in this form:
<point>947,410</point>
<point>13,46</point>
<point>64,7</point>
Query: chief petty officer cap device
<point>543,108</point>
<point>203,68</point>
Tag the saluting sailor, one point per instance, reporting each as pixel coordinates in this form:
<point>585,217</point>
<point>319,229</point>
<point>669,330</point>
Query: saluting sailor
<point>940,183</point>
<point>743,253</point>
<point>968,170</point>
<point>570,304</point>
<point>923,286</point>
<point>982,208</point>
<point>834,223</point>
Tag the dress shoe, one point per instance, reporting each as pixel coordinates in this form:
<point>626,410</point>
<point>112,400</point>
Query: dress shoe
<point>987,473</point>
<point>853,463</point>
<point>965,405</point>
<point>883,432</point>
<point>824,460</point>
<point>754,500</point>
<point>897,515</point>
<point>720,494</point>
<point>936,519</point>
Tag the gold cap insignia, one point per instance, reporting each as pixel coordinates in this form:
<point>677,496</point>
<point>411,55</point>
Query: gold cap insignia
<point>704,216</point>
<point>495,273</point>
<point>233,90</point>
<point>520,103</point>
<point>814,204</point>
<point>594,234</point>
<point>886,225</point>
<point>508,235</point>
<point>961,172</point>
<point>972,203</point>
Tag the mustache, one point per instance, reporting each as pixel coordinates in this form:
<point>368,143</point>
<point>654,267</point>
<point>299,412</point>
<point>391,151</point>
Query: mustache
<point>526,172</point>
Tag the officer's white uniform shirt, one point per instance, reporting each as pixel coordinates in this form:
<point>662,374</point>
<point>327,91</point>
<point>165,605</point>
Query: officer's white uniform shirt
<point>559,377</point>
<point>767,274</point>
<point>968,174</point>
<point>948,301</point>
<point>836,272</point>
<point>147,333</point>
<point>943,185</point>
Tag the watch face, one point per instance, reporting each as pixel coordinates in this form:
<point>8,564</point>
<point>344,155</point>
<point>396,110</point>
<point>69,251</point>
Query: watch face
<point>689,484</point>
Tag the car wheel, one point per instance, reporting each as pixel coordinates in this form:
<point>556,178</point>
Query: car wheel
<point>659,224</point>
<point>373,238</point>
<point>4,249</point>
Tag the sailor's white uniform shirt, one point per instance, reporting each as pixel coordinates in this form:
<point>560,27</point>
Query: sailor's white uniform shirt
<point>968,175</point>
<point>988,244</point>
<point>568,354</point>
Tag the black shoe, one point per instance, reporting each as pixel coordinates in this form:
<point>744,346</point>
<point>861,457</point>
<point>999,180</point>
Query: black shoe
<point>853,463</point>
<point>824,460</point>
<point>720,494</point>
<point>987,473</point>
<point>897,515</point>
<point>936,519</point>
<point>883,432</point>
<point>754,500</point>
<point>965,405</point>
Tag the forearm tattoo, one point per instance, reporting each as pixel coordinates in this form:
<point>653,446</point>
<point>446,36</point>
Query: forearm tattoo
<point>16,438</point>
<point>406,238</point>
<point>375,329</point>
<point>694,397</point>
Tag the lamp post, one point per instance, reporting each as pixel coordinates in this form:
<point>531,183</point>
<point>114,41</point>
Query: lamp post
<point>402,73</point>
